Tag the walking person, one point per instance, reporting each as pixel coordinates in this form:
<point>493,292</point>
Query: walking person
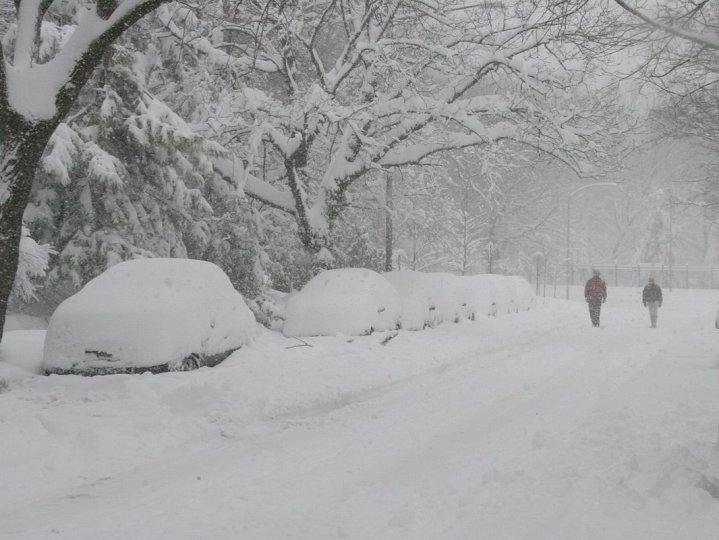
<point>595,293</point>
<point>652,299</point>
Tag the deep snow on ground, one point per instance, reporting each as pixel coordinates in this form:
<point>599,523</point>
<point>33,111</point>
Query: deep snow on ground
<point>534,426</point>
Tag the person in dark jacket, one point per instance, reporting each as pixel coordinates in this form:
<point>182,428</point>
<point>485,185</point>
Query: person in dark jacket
<point>595,293</point>
<point>652,299</point>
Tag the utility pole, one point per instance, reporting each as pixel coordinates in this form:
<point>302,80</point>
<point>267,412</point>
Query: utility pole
<point>671,243</point>
<point>539,256</point>
<point>569,234</point>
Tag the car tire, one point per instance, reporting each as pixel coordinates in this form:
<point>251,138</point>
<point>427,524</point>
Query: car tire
<point>190,363</point>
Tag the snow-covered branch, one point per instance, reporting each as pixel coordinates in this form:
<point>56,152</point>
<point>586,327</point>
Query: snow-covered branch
<point>3,86</point>
<point>32,264</point>
<point>85,53</point>
<point>29,17</point>
<point>47,91</point>
<point>414,154</point>
<point>703,39</point>
<point>214,53</point>
<point>233,170</point>
<point>352,55</point>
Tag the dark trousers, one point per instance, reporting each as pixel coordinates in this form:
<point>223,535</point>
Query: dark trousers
<point>595,306</point>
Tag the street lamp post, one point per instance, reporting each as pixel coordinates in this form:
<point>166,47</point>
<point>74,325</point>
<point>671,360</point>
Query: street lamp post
<point>569,224</point>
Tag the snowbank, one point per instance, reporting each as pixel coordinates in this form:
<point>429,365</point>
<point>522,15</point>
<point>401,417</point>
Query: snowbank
<point>350,301</point>
<point>23,349</point>
<point>20,321</point>
<point>146,313</point>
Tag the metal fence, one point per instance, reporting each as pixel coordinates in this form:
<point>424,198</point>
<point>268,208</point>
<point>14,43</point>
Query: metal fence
<point>680,277</point>
<point>551,281</point>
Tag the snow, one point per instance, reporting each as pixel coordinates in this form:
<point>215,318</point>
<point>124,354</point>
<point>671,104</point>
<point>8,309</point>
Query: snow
<point>426,299</point>
<point>19,321</point>
<point>531,426</point>
<point>454,298</point>
<point>417,297</point>
<point>349,301</point>
<point>24,41</point>
<point>22,349</point>
<point>32,89</point>
<point>450,300</point>
<point>522,293</point>
<point>233,169</point>
<point>32,264</point>
<point>149,312</point>
<point>479,295</point>
<point>500,291</point>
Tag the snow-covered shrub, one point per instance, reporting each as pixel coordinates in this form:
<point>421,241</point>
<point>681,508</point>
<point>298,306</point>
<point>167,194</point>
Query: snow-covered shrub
<point>350,301</point>
<point>146,313</point>
<point>269,308</point>
<point>290,267</point>
<point>353,245</point>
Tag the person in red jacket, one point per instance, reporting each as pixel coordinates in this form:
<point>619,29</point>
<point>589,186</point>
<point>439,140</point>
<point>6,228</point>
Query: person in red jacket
<point>595,293</point>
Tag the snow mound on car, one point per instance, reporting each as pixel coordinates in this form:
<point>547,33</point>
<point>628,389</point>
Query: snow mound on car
<point>418,296</point>
<point>522,293</point>
<point>350,301</point>
<point>149,312</point>
<point>500,289</point>
<point>479,296</point>
<point>431,298</point>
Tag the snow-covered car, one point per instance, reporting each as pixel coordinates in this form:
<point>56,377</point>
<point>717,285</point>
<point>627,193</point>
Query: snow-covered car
<point>499,290</point>
<point>349,301</point>
<point>419,296</point>
<point>479,294</point>
<point>452,303</point>
<point>523,297</point>
<point>151,315</point>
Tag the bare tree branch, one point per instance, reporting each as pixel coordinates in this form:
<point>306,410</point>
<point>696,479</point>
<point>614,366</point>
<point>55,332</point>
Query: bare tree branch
<point>700,39</point>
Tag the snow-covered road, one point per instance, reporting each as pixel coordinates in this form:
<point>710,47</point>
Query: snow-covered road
<point>532,426</point>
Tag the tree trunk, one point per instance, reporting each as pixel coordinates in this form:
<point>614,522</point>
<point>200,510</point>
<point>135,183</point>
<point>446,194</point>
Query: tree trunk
<point>389,207</point>
<point>21,146</point>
